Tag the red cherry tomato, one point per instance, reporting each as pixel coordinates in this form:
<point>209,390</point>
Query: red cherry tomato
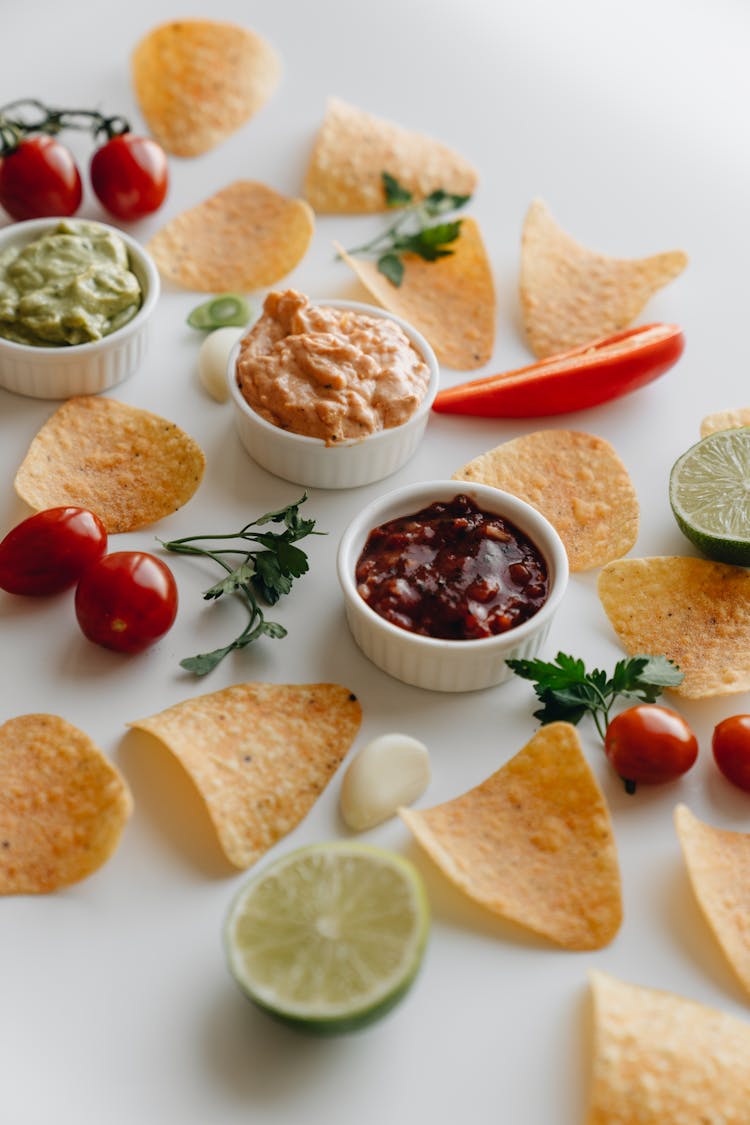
<point>648,745</point>
<point>130,176</point>
<point>126,601</point>
<point>48,552</point>
<point>39,178</point>
<point>731,747</point>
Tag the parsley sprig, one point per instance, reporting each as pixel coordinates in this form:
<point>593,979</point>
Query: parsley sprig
<point>568,692</point>
<point>268,563</point>
<point>412,233</point>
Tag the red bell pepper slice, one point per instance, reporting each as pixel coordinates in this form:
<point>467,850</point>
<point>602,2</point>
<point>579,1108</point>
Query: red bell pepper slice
<point>574,380</point>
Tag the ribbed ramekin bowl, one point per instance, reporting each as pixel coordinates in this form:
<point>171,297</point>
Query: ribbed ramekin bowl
<point>79,369</point>
<point>443,665</point>
<point>309,461</point>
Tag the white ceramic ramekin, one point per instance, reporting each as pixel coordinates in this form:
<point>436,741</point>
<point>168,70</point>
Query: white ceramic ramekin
<point>309,461</point>
<point>441,665</point>
<point>79,369</point>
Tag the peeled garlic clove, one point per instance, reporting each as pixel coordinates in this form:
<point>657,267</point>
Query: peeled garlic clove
<point>213,355</point>
<point>390,771</point>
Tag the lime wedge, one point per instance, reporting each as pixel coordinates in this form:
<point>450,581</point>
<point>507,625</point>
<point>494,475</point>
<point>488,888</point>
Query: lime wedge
<point>329,937</point>
<point>709,491</point>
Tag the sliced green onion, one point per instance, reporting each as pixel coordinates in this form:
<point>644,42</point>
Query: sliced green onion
<point>226,310</point>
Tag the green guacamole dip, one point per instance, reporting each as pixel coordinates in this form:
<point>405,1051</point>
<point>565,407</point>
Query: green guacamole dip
<point>72,285</point>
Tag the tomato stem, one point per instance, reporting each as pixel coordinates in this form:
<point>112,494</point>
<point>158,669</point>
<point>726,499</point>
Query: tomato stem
<point>25,116</point>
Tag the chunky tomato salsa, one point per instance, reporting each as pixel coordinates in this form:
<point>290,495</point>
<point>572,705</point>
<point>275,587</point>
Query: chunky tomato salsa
<point>452,571</point>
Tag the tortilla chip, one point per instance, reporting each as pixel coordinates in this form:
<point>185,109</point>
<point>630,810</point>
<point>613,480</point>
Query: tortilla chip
<point>571,295</point>
<point>574,479</point>
<point>725,420</point>
<point>260,755</point>
<point>63,805</point>
<point>247,236</point>
<point>128,466</point>
<point>533,843</point>
<point>662,1060</point>
<point>692,610</point>
<point>450,301</point>
<point>718,863</point>
<point>198,81</point>
<point>354,148</point>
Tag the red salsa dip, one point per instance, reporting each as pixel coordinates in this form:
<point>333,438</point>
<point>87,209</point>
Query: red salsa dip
<point>452,571</point>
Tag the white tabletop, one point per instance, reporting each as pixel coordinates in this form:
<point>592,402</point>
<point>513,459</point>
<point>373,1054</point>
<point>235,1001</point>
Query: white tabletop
<point>115,1003</point>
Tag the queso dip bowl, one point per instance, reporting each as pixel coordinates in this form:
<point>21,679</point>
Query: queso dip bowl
<point>61,371</point>
<point>348,464</point>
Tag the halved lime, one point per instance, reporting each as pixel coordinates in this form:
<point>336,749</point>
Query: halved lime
<point>709,491</point>
<point>329,937</point>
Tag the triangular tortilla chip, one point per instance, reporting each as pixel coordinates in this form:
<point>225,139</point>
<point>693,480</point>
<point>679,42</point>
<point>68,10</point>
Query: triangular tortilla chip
<point>198,81</point>
<point>718,863</point>
<point>533,843</point>
<point>354,148</point>
<point>694,611</point>
<point>450,301</point>
<point>128,466</point>
<point>246,236</point>
<point>571,295</point>
<point>662,1060</point>
<point>574,479</point>
<point>63,805</point>
<point>725,420</point>
<point>260,755</point>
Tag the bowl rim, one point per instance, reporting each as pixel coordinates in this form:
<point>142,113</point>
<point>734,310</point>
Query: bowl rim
<point>26,230</point>
<point>539,529</point>
<point>422,410</point>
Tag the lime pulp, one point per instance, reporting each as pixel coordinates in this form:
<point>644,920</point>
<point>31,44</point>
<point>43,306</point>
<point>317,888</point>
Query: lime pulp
<point>228,310</point>
<point>709,492</point>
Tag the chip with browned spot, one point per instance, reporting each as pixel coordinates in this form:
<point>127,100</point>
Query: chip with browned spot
<point>571,295</point>
<point>450,301</point>
<point>574,479</point>
<point>197,81</point>
<point>725,420</point>
<point>247,236</point>
<point>127,465</point>
<point>533,843</point>
<point>352,151</point>
<point>660,1059</point>
<point>718,863</point>
<point>260,755</point>
<point>63,805</point>
<point>694,611</point>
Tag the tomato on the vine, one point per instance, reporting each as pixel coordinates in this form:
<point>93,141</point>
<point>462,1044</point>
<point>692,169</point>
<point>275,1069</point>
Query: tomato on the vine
<point>731,748</point>
<point>126,601</point>
<point>38,178</point>
<point>48,552</point>
<point>130,176</point>
<point>649,744</point>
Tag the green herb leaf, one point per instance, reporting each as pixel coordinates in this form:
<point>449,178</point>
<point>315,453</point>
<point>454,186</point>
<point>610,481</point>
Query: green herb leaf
<point>395,194</point>
<point>391,266</point>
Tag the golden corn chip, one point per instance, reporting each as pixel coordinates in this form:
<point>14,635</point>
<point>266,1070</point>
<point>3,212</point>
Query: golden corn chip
<point>660,1059</point>
<point>128,466</point>
<point>692,610</point>
<point>533,843</point>
<point>198,81</point>
<point>450,301</point>
<point>571,295</point>
<point>725,420</point>
<point>260,755</point>
<point>574,479</point>
<point>354,148</point>
<point>718,863</point>
<point>63,805</point>
<point>246,236</point>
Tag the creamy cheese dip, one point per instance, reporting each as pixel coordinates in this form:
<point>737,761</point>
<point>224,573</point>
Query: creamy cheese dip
<point>335,374</point>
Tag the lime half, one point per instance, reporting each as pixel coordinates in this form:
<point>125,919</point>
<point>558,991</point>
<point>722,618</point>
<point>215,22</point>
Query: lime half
<point>709,490</point>
<point>329,937</point>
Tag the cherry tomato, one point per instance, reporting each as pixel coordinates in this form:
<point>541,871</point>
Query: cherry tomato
<point>731,747</point>
<point>39,178</point>
<point>126,601</point>
<point>48,552</point>
<point>129,175</point>
<point>648,744</point>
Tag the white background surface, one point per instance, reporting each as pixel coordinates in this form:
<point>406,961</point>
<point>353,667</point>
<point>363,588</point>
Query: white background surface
<point>115,1005</point>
